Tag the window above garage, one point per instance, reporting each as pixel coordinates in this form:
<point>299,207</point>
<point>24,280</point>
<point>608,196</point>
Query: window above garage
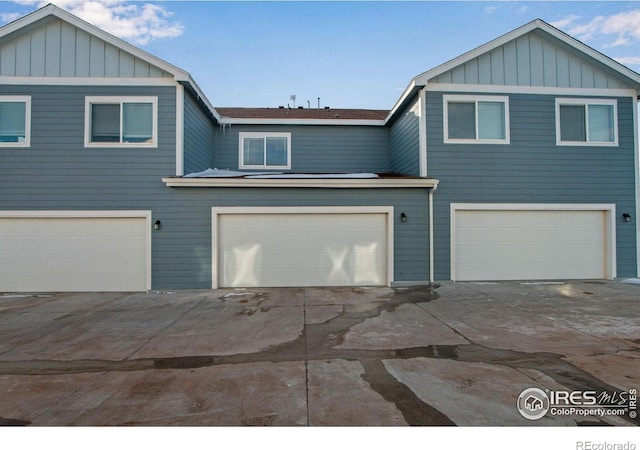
<point>476,119</point>
<point>15,121</point>
<point>265,150</point>
<point>121,122</point>
<point>586,122</point>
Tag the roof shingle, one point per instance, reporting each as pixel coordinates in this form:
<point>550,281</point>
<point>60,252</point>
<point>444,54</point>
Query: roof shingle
<point>306,113</point>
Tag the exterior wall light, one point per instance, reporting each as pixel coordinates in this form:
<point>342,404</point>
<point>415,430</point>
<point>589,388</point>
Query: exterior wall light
<point>403,217</point>
<point>626,217</point>
<point>157,224</point>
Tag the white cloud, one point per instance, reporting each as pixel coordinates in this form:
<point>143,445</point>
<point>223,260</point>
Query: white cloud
<point>490,9</point>
<point>9,17</point>
<point>136,22</point>
<point>629,60</point>
<point>620,29</point>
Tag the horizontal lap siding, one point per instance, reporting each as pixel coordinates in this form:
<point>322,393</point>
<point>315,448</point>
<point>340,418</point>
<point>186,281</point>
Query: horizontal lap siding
<point>404,142</point>
<point>186,226</point>
<point>532,169</point>
<point>316,148</point>
<point>58,173</point>
<point>199,137</point>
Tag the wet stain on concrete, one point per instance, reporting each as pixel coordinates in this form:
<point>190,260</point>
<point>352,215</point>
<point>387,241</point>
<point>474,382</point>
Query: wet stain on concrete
<point>415,411</point>
<point>13,422</point>
<point>183,362</point>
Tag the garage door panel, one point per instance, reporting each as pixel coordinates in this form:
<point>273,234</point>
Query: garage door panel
<point>302,249</point>
<point>73,254</point>
<point>536,244</point>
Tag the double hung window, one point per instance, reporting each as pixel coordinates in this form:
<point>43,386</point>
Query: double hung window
<point>265,151</point>
<point>476,119</point>
<point>15,121</point>
<point>121,122</point>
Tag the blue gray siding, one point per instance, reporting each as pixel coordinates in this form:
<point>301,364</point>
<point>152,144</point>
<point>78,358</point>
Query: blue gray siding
<point>404,147</point>
<point>535,59</point>
<point>199,137</point>
<point>317,148</point>
<point>58,173</point>
<point>182,249</point>
<point>532,169</point>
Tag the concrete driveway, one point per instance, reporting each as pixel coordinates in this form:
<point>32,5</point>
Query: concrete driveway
<point>460,354</point>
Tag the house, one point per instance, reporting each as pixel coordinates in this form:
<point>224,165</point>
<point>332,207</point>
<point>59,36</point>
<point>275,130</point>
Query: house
<point>517,160</point>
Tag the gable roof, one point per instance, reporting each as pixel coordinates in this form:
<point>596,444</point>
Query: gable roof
<point>546,31</point>
<point>50,12</point>
<point>303,116</point>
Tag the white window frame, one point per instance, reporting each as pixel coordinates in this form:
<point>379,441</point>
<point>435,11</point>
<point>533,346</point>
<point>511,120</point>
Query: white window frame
<point>264,135</point>
<point>104,100</point>
<point>26,99</point>
<point>586,102</point>
<point>446,99</point>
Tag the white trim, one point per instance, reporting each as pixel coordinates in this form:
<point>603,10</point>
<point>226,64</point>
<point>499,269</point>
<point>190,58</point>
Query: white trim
<point>422,131</point>
<point>263,135</point>
<point>586,102</point>
<point>65,214</point>
<point>448,98</point>
<point>362,122</point>
<point>503,89</point>
<point>26,99</point>
<point>86,81</point>
<point>608,208</point>
<point>179,130</point>
<point>89,100</point>
<point>636,164</point>
<point>217,211</point>
<point>345,183</point>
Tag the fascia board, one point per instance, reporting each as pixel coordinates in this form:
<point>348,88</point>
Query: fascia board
<point>239,121</point>
<point>303,182</point>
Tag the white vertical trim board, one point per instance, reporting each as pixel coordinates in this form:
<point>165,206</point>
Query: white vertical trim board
<point>179,130</point>
<point>636,157</point>
<point>609,226</point>
<point>422,132</point>
<point>280,213</point>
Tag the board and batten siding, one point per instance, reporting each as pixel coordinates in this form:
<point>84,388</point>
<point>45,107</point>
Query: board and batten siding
<point>199,137</point>
<point>404,147</point>
<point>535,59</point>
<point>533,169</point>
<point>320,149</point>
<point>59,49</point>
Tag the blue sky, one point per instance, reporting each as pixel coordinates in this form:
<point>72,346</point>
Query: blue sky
<point>350,54</point>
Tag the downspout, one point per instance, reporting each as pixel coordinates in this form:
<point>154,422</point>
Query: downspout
<point>431,240</point>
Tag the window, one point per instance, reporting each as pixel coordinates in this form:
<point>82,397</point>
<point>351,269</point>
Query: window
<point>121,122</point>
<point>15,121</point>
<point>476,119</point>
<point>265,150</point>
<point>586,122</point>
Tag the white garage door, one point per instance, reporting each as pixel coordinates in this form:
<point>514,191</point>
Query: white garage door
<point>302,247</point>
<point>72,252</point>
<point>532,244</point>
